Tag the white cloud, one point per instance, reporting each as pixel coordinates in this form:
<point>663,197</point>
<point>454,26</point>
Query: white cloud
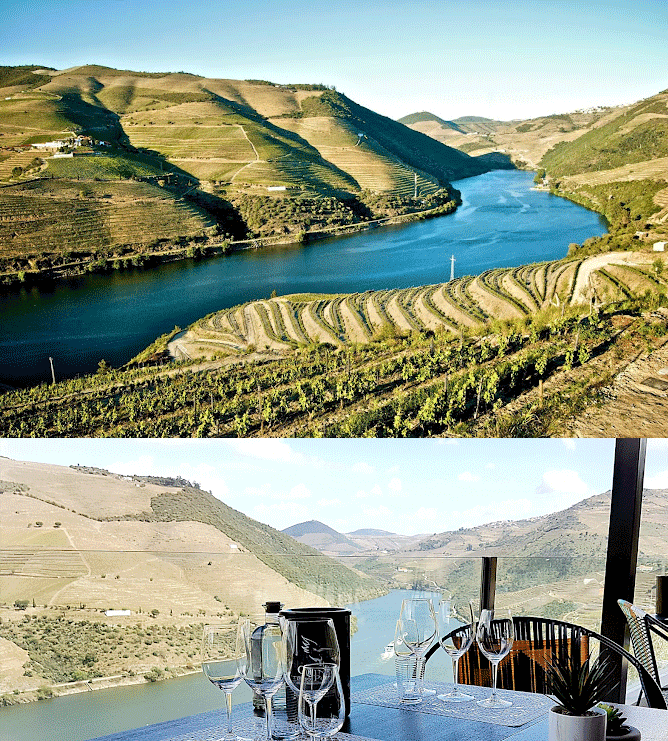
<point>375,491</point>
<point>562,488</point>
<point>656,444</point>
<point>142,466</point>
<point>328,502</point>
<point>300,491</point>
<point>206,476</point>
<point>565,481</point>
<point>658,481</point>
<point>363,468</point>
<point>394,485</point>
<point>425,513</point>
<point>490,465</point>
<point>468,476</point>
<point>568,442</point>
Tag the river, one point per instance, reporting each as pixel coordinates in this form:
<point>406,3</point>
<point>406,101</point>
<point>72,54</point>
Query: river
<point>502,222</point>
<point>91,714</point>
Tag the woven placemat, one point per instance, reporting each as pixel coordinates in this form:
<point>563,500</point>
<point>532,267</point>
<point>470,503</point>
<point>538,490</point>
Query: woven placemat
<point>249,728</point>
<point>526,706</point>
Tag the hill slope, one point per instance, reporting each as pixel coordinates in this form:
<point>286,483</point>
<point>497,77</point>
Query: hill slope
<point>156,539</point>
<point>548,565</point>
<point>525,141</point>
<point>322,537</point>
<point>254,159</point>
<point>620,168</point>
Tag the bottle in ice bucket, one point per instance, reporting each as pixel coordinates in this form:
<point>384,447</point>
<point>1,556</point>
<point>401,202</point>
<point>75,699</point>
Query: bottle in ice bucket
<point>271,610</point>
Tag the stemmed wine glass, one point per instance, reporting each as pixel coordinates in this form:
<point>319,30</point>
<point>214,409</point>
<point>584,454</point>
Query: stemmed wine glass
<point>456,637</point>
<point>495,635</point>
<point>316,681</point>
<point>417,627</point>
<point>219,663</point>
<point>261,659</point>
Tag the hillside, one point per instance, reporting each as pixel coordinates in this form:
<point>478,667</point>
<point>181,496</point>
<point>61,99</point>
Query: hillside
<point>548,565</point>
<point>332,543</point>
<point>137,532</point>
<point>619,168</point>
<point>322,537</point>
<point>525,141</point>
<point>228,159</point>
<point>516,352</point>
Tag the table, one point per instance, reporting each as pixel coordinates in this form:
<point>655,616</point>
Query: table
<point>394,724</point>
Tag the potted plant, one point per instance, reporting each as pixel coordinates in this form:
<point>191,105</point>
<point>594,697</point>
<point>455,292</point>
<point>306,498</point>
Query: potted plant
<point>616,727</point>
<point>578,688</point>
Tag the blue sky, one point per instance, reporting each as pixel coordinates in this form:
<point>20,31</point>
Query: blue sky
<point>496,59</point>
<point>404,486</point>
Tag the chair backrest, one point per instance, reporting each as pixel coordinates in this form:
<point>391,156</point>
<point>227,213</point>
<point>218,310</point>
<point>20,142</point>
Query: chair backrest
<point>640,636</point>
<point>539,641</point>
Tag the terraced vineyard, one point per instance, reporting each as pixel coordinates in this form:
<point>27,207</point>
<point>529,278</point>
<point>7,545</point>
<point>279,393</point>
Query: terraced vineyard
<point>380,363</point>
<point>61,217</point>
<point>283,323</point>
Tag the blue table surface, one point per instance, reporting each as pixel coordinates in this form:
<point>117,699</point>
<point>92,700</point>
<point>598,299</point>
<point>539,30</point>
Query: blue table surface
<point>376,722</point>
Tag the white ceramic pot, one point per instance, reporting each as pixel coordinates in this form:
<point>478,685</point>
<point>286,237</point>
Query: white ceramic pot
<point>564,727</point>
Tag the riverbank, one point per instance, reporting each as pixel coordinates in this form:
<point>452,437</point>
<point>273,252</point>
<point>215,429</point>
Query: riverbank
<point>203,248</point>
<point>90,685</point>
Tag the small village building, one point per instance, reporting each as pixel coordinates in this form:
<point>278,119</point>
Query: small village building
<point>50,145</point>
<point>659,246</point>
<point>117,613</point>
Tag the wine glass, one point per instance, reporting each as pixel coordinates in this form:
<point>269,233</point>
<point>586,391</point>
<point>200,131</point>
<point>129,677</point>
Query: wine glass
<point>418,630</point>
<point>495,636</point>
<point>316,681</point>
<point>261,659</point>
<point>309,641</point>
<point>330,715</point>
<point>456,637</point>
<point>219,663</point>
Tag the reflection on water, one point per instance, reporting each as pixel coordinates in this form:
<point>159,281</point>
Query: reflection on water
<point>115,316</point>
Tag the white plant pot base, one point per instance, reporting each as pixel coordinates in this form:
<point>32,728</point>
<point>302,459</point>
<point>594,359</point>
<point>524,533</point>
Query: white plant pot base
<point>564,727</point>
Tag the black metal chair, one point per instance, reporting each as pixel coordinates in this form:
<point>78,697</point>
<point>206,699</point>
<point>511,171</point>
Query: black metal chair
<point>642,628</point>
<point>538,642</point>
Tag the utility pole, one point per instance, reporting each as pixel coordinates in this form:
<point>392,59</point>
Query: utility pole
<point>53,375</point>
<point>452,267</point>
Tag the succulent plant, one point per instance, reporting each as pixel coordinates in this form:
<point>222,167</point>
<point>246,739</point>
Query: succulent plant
<point>579,687</point>
<point>615,725</point>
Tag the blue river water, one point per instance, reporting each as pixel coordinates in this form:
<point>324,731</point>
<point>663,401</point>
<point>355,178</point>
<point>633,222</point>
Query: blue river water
<point>502,222</point>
